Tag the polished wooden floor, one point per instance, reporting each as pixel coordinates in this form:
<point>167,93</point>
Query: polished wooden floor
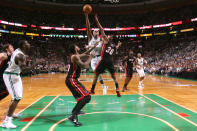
<point>182,92</point>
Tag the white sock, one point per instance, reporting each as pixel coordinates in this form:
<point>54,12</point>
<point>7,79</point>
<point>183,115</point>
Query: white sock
<point>8,118</point>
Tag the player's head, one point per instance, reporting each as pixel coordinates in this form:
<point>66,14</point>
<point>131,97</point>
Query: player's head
<point>96,32</point>
<point>73,48</point>
<point>139,55</point>
<point>24,46</point>
<point>131,53</point>
<point>8,48</point>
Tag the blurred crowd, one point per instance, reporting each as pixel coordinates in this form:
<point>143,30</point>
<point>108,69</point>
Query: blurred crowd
<point>179,59</point>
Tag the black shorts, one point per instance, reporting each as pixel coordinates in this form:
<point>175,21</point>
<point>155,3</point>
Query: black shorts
<point>3,89</point>
<point>129,72</point>
<point>103,65</point>
<point>77,89</point>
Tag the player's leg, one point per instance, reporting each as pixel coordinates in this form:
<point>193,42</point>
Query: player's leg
<point>81,95</point>
<point>116,84</point>
<point>112,72</point>
<point>129,74</point>
<point>15,89</point>
<point>99,69</point>
<point>76,110</point>
<point>127,80</point>
<point>94,83</point>
<point>103,85</point>
<point>142,76</point>
<point>94,63</point>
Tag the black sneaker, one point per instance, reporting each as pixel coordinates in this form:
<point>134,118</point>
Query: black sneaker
<point>118,93</point>
<point>81,113</point>
<point>74,120</point>
<point>125,89</point>
<point>92,92</point>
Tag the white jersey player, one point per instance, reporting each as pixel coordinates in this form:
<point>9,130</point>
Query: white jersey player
<point>139,65</point>
<point>13,80</point>
<point>92,39</point>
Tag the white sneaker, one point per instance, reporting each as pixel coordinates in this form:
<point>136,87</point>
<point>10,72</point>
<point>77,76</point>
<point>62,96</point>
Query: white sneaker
<point>140,86</point>
<point>8,124</point>
<point>105,90</point>
<point>16,115</point>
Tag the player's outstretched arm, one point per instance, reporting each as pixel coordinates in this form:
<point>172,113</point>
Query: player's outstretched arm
<point>76,59</point>
<point>100,27</point>
<point>88,27</point>
<point>3,56</point>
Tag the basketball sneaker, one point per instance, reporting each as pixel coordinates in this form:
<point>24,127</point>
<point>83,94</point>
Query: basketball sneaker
<point>105,90</point>
<point>124,89</point>
<point>74,120</point>
<point>118,92</point>
<point>16,115</point>
<point>92,92</point>
<point>7,123</point>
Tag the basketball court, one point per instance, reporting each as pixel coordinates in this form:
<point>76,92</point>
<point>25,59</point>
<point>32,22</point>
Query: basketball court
<point>163,105</point>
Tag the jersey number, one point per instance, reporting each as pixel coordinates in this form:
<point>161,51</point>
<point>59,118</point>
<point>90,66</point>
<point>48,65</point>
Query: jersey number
<point>110,50</point>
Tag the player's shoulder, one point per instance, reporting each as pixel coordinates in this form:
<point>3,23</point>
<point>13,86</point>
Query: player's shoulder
<point>74,57</point>
<point>3,55</point>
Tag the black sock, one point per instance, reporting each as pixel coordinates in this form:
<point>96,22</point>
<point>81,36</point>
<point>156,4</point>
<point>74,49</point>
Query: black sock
<point>116,84</point>
<point>93,87</point>
<point>125,85</point>
<point>80,104</point>
<point>101,81</point>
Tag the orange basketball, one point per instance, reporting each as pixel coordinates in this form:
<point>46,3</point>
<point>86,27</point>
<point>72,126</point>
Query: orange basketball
<point>87,8</point>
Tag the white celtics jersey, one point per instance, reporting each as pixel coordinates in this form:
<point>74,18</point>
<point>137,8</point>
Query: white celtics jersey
<point>98,47</point>
<point>140,62</point>
<point>12,67</point>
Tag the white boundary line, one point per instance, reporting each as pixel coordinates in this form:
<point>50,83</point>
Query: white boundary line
<point>176,103</point>
<point>29,123</point>
<point>31,104</point>
<point>167,123</point>
<point>191,122</point>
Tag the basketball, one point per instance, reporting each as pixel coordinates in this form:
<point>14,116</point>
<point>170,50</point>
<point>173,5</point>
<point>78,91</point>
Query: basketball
<point>87,8</point>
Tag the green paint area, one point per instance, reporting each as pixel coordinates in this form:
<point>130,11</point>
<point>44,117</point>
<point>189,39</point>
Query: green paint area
<point>108,113</point>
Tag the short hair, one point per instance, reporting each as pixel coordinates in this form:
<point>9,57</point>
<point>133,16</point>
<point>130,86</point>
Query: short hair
<point>5,47</point>
<point>21,43</point>
<point>72,48</point>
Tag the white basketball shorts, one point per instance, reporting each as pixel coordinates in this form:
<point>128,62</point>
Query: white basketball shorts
<point>14,85</point>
